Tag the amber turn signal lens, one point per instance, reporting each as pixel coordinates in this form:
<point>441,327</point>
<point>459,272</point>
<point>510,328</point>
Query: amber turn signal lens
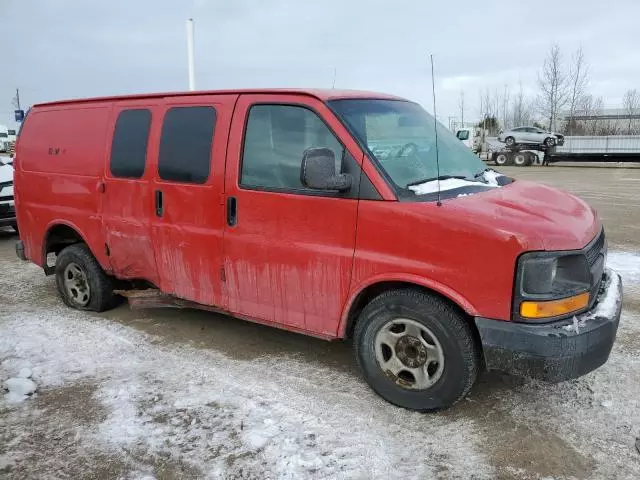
<point>554,308</point>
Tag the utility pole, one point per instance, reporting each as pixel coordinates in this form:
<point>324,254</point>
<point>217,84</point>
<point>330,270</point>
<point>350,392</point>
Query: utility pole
<point>192,80</point>
<point>18,98</point>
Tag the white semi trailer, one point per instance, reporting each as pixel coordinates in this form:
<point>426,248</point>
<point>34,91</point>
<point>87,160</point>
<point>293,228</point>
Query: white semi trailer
<point>614,148</point>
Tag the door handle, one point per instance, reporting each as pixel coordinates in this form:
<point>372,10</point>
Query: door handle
<point>232,211</point>
<point>159,203</point>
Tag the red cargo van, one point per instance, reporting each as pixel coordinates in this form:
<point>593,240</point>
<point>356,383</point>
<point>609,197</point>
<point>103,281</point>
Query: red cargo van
<point>326,213</point>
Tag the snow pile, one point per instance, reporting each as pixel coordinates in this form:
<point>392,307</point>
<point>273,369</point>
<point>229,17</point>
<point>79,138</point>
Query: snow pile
<point>446,184</point>
<point>491,177</point>
<point>276,417</point>
<point>20,387</point>
<point>626,264</point>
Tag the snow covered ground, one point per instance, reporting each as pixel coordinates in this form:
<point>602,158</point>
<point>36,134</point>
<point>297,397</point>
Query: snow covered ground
<point>115,401</point>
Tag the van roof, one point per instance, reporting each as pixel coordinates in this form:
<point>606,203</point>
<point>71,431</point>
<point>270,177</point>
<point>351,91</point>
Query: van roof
<point>321,94</point>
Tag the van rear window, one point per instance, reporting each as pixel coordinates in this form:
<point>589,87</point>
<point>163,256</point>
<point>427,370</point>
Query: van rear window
<point>185,145</point>
<point>129,147</point>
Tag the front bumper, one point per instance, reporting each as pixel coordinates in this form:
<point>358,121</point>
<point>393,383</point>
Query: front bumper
<point>559,350</point>
<point>7,214</point>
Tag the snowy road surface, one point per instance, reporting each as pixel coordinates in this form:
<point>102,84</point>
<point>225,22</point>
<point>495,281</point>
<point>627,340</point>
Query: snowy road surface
<point>181,394</point>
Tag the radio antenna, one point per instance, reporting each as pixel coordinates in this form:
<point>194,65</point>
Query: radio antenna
<point>435,129</point>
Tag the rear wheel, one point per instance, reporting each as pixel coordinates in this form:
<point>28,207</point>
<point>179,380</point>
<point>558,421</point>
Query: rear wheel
<point>81,282</point>
<point>531,158</point>
<point>510,141</point>
<point>520,159</point>
<point>415,350</point>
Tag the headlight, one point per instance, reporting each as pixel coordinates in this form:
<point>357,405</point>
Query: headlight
<point>551,285</point>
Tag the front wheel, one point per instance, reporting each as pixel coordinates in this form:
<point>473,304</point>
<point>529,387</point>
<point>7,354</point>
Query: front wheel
<point>415,350</point>
<point>550,141</point>
<point>81,282</point>
<point>510,141</point>
<point>502,159</point>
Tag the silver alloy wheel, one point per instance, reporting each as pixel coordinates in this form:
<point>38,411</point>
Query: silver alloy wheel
<point>510,141</point>
<point>76,284</point>
<point>409,353</point>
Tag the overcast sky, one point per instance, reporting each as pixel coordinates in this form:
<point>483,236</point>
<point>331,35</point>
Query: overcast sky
<point>57,49</point>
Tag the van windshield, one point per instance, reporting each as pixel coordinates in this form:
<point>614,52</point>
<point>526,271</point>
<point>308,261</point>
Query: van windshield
<point>400,136</point>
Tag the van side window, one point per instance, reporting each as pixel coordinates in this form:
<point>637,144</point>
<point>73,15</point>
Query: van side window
<point>129,145</point>
<point>275,138</point>
<point>185,145</point>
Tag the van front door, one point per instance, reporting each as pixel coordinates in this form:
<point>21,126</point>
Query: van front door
<point>288,249</point>
<point>188,211</point>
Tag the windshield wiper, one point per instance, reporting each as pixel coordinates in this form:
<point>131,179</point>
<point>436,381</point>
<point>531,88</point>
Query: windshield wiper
<point>432,179</point>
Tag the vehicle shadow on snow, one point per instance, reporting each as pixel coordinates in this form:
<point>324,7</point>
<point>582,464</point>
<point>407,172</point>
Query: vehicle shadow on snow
<point>237,339</point>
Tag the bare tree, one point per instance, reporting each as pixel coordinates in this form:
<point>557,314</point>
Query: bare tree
<point>482,107</point>
<point>598,127</point>
<point>489,108</point>
<point>553,83</point>
<point>520,108</point>
<point>461,105</point>
<point>504,107</point>
<point>592,108</point>
<point>578,80</point>
<point>495,104</point>
<point>631,105</point>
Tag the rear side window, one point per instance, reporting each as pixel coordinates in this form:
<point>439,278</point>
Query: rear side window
<point>129,147</point>
<point>185,145</point>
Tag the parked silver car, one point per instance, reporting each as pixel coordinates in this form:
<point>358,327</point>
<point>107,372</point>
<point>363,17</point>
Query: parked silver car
<point>531,135</point>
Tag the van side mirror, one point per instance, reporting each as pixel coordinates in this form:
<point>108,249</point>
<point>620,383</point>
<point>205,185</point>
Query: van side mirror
<point>318,171</point>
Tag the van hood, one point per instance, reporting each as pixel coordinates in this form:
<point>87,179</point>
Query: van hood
<point>541,217</point>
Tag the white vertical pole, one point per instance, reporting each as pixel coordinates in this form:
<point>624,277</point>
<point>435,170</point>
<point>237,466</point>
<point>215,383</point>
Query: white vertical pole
<point>192,80</point>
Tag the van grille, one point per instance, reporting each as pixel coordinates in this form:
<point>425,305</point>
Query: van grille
<point>595,256</point>
<point>594,249</point>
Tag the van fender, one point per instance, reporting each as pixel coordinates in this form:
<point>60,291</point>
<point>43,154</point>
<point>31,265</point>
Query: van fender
<point>417,280</point>
<point>50,226</point>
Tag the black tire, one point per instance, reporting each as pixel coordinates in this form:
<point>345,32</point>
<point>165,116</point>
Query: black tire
<point>531,158</point>
<point>510,141</point>
<point>462,357</point>
<point>101,295</point>
<point>520,159</point>
<point>549,141</point>
<point>502,159</point>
